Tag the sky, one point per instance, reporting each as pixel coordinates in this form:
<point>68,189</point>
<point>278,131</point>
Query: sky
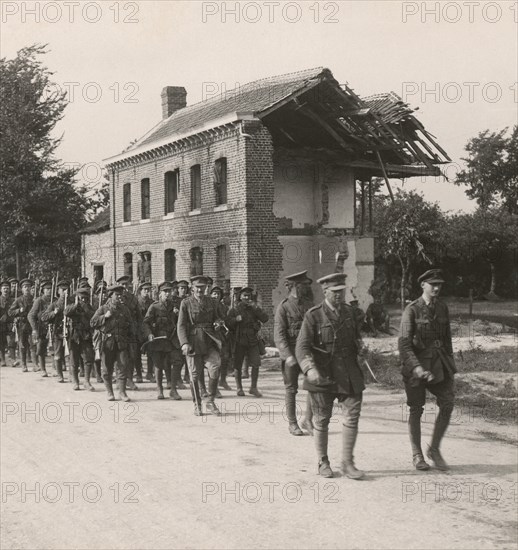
<point>457,62</point>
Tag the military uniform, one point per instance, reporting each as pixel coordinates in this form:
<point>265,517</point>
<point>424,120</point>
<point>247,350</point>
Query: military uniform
<point>7,340</point>
<point>246,339</point>
<point>327,347</point>
<point>117,333</point>
<point>288,321</point>
<point>425,341</point>
<point>79,315</point>
<point>144,302</point>
<point>197,333</point>
<point>19,310</point>
<point>159,327</point>
<point>39,327</point>
<point>217,295</point>
<point>54,316</point>
<point>98,299</point>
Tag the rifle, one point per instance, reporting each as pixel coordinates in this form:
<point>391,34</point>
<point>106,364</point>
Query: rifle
<point>98,343</point>
<point>65,328</point>
<point>50,344</point>
<point>14,323</point>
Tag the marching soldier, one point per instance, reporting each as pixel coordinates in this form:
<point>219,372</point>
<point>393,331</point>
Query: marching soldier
<point>426,353</point>
<point>98,300</point>
<point>326,350</point>
<point>7,339</point>
<point>176,301</point>
<point>199,318</point>
<point>160,331</point>
<point>80,314</point>
<point>144,301</point>
<point>131,303</point>
<point>288,320</point>
<point>39,327</point>
<point>19,310</point>
<point>182,293</point>
<point>217,295</point>
<point>210,282</point>
<point>13,281</point>
<point>117,328</point>
<point>54,316</point>
<point>245,320</point>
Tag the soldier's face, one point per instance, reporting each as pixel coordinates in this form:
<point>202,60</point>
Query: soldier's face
<point>13,288</point>
<point>6,290</point>
<point>246,297</point>
<point>334,297</point>
<point>47,291</point>
<point>165,295</point>
<point>182,291</point>
<point>144,292</point>
<point>199,291</point>
<point>116,298</point>
<point>215,295</point>
<point>26,290</point>
<point>431,290</point>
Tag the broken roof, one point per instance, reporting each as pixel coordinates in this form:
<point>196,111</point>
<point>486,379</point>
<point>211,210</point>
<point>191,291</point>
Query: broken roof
<point>100,223</point>
<point>310,108</point>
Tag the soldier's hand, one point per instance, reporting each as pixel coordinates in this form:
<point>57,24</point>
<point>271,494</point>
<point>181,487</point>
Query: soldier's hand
<point>291,361</point>
<point>239,318</point>
<point>419,372</point>
<point>21,309</point>
<point>186,349</point>
<point>56,310</point>
<point>314,377</point>
<point>34,336</point>
<point>108,314</point>
<point>176,310</point>
<point>150,338</point>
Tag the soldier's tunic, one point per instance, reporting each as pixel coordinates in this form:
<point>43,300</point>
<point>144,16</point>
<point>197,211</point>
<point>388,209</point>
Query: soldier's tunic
<point>6,328</point>
<point>246,342</point>
<point>118,334</point>
<point>425,340</point>
<point>80,338</point>
<point>131,302</point>
<point>19,310</point>
<point>144,302</point>
<point>39,326</point>
<point>328,340</point>
<point>196,328</point>
<point>54,315</point>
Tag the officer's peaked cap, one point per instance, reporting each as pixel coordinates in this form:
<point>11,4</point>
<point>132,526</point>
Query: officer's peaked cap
<point>334,281</point>
<point>431,276</point>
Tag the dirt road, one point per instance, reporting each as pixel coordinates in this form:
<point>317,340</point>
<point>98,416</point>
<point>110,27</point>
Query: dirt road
<point>80,472</point>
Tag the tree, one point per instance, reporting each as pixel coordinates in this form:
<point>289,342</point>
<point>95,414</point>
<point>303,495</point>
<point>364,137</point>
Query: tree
<point>42,207</point>
<point>492,169</point>
<point>409,231</point>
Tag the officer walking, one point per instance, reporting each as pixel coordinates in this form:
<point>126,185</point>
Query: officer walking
<point>7,339</point>
<point>426,354</point>
<point>245,320</point>
<point>288,320</point>
<point>199,318</point>
<point>80,314</point>
<point>326,350</point>
<point>40,327</point>
<point>117,328</point>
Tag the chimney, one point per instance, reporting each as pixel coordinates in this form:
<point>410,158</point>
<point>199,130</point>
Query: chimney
<point>173,98</point>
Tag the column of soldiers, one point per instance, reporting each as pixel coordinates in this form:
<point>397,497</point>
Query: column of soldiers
<point>104,330</point>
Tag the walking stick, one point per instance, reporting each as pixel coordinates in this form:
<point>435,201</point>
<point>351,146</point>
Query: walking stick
<point>188,359</point>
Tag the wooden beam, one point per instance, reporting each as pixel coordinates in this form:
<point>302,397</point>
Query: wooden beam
<point>305,110</point>
<point>385,176</point>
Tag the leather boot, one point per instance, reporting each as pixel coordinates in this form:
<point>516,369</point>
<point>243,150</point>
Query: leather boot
<point>43,368</point>
<point>348,441</point>
<point>59,370</point>
<point>239,383</point>
<point>23,353</point>
<point>253,387</point>
<point>2,358</point>
<point>414,431</point>
<point>307,421</point>
<point>201,383</point>
<point>131,385</point>
<point>441,425</point>
<point>293,426</point>
<point>98,371</point>
<point>244,369</point>
<point>196,397</point>
<point>167,372</point>
<point>159,386</point>
<point>121,384</point>
<point>88,373</point>
<point>213,388</point>
<point>35,362</point>
<point>223,381</point>
<point>109,387</point>
<point>324,467</point>
<point>74,377</point>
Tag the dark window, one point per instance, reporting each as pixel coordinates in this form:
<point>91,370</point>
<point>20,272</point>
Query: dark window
<point>222,266</point>
<point>171,189</point>
<point>195,187</point>
<point>170,265</point>
<point>98,273</point>
<point>127,202</point>
<point>220,180</point>
<point>144,197</point>
<point>196,254</point>
<point>144,267</point>
<point>128,264</point>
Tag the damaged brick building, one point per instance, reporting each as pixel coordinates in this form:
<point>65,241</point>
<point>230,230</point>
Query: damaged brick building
<point>256,184</point>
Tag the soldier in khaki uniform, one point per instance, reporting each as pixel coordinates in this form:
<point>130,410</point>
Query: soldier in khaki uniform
<point>288,320</point>
<point>426,354</point>
<point>39,327</point>
<point>19,311</point>
<point>6,324</point>
<point>117,328</point>
<point>99,298</point>
<point>326,350</point>
<point>144,301</point>
<point>217,295</point>
<point>199,318</point>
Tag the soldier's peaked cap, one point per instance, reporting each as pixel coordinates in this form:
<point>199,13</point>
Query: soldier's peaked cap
<point>5,283</point>
<point>84,284</point>
<point>100,284</point>
<point>183,282</point>
<point>83,291</point>
<point>81,279</point>
<point>334,281</point>
<point>199,280</point>
<point>431,276</point>
<point>145,285</point>
<point>216,289</point>
<point>26,282</point>
<point>166,285</point>
<point>124,279</point>
<point>45,284</point>
<point>246,290</point>
<point>301,277</point>
<point>115,288</point>
<point>13,280</point>
<point>63,284</point>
